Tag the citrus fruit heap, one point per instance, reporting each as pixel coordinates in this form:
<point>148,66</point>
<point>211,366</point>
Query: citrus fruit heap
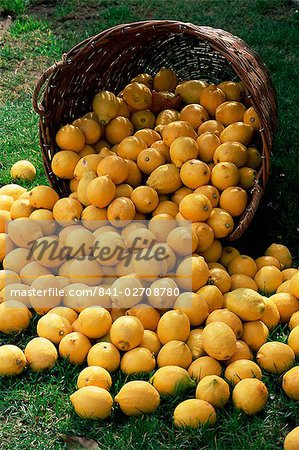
<point>201,320</point>
<point>209,337</point>
<point>187,149</point>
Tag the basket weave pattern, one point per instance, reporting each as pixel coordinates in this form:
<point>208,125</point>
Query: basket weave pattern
<point>112,58</point>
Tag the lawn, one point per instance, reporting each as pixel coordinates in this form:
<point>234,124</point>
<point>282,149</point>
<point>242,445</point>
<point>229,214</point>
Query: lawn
<point>35,411</point>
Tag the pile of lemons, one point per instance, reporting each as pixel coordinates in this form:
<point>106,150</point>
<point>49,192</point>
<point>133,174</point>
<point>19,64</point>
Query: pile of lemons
<point>212,340</point>
<point>165,151</point>
<point>187,150</point>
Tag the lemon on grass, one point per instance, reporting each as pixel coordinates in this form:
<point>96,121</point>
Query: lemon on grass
<point>92,402</point>
<point>74,347</point>
<point>213,390</point>
<point>14,317</point>
<point>41,354</point>
<point>194,413</point>
<point>53,327</point>
<point>293,340</point>
<point>170,380</point>
<point>292,440</point>
<point>204,366</point>
<point>138,397</point>
<point>275,357</point>
<point>240,369</point>
<point>250,395</point>
<point>175,353</point>
<point>290,383</point>
<point>12,360</point>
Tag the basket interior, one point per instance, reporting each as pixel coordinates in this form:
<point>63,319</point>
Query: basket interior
<point>99,67</point>
<point>189,57</point>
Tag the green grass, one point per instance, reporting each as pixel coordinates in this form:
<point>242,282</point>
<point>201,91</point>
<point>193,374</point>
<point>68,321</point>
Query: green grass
<point>38,406</point>
<point>34,409</point>
<point>14,7</point>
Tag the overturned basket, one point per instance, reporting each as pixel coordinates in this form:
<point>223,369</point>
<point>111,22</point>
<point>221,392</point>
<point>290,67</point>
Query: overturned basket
<point>112,58</point>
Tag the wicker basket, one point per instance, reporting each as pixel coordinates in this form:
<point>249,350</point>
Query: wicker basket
<point>112,58</point>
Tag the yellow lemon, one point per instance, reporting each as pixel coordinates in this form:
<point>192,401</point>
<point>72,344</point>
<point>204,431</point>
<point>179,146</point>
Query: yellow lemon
<point>271,316</point>
<point>126,332</point>
<point>242,264</point>
<point>264,261</point>
<point>74,347</point>
<point>245,303</point>
<point>92,402</point>
<point>94,376</point>
<point>204,366</point>
<point>194,413</point>
<point>23,170</point>
<point>12,360</point>
<point>171,380</point>
<point>290,383</point>
<point>194,342</point>
<point>151,341</point>
<point>41,354</point>
<point>137,360</point>
<point>287,274</point>
<point>287,304</point>
<point>104,354</point>
<point>294,285</point>
<point>192,273</point>
<point>243,351</point>
<point>250,395</point>
<point>292,440</point>
<point>173,325</point>
<point>228,317</point>
<point>53,327</point>
<point>14,317</point>
<point>148,316</point>
<point>219,340</point>
<point>212,295</point>
<point>294,320</point>
<point>213,390</point>
<point>275,357</point>
<point>8,277</point>
<point>175,353</point>
<point>195,308</point>
<point>293,340</point>
<point>241,369</point>
<point>66,312</point>
<point>268,278</point>
<point>94,321</point>
<point>280,252</point>
<point>285,287</point>
<point>255,334</point>
<point>138,397</point>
